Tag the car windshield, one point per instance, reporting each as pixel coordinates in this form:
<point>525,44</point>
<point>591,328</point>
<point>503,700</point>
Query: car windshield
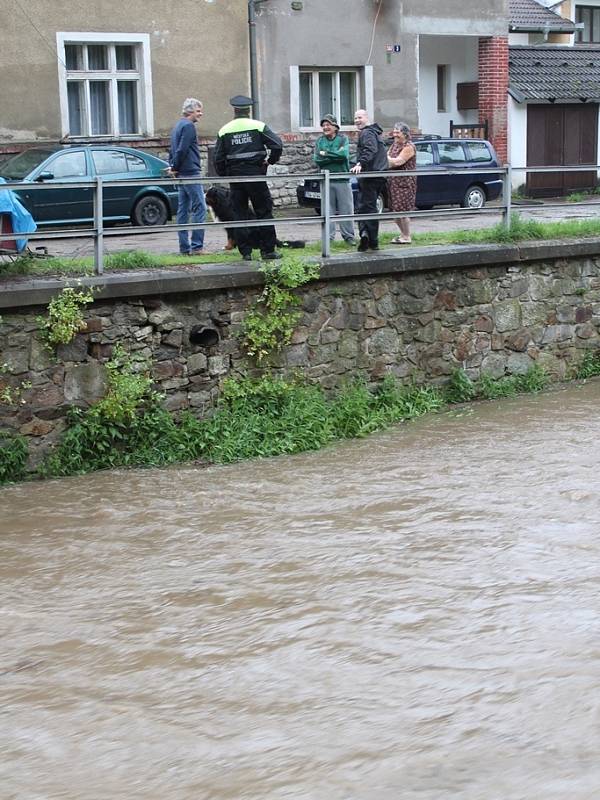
<point>19,166</point>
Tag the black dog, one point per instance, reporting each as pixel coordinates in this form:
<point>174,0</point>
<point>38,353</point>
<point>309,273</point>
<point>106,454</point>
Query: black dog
<point>218,199</point>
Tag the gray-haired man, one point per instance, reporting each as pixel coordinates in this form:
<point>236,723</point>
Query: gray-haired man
<point>184,161</point>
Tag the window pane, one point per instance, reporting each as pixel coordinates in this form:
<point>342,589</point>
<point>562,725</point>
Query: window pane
<point>99,107</point>
<point>68,165</point>
<point>326,94</point>
<point>595,32</point>
<point>17,167</point>
<point>306,100</point>
<point>479,151</point>
<point>424,155</point>
<point>107,162</point>
<point>451,153</point>
<point>97,56</point>
<point>441,87</point>
<point>125,56</point>
<point>75,100</point>
<point>347,97</point>
<point>584,15</point>
<point>127,93</point>
<point>74,56</point>
<point>135,163</point>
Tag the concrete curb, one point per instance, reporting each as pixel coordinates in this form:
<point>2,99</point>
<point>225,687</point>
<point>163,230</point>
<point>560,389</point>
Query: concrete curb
<point>210,277</point>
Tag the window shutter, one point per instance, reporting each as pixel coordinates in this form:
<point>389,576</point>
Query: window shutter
<point>467,96</point>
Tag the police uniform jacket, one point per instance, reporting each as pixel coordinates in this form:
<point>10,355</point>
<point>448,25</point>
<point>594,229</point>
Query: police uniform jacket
<point>244,145</point>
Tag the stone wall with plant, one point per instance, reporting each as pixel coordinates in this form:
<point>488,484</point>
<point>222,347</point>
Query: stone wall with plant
<point>494,320</point>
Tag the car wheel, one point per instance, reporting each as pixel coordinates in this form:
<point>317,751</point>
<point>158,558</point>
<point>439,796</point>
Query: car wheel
<point>150,210</point>
<point>474,197</point>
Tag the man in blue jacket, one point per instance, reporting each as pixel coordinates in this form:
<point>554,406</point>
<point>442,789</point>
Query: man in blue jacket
<point>184,160</point>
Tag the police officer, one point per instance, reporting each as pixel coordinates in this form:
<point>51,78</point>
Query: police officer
<point>246,146</point>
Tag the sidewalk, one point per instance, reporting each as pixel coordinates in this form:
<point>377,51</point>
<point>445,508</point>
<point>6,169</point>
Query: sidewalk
<point>310,230</point>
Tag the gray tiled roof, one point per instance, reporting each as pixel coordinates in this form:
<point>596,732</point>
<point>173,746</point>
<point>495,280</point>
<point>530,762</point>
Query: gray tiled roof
<point>530,15</point>
<point>549,72</point>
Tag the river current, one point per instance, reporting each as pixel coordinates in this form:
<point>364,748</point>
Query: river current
<point>410,616</point>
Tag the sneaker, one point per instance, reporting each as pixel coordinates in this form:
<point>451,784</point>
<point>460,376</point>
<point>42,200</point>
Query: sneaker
<point>363,245</point>
<point>270,256</point>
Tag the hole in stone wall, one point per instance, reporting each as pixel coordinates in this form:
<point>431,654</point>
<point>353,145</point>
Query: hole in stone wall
<point>204,336</point>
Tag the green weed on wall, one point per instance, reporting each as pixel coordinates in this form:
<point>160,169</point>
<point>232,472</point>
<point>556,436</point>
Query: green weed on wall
<point>13,457</point>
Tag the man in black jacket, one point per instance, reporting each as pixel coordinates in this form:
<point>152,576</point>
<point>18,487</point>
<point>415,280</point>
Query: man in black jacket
<point>371,156</point>
<point>247,146</point>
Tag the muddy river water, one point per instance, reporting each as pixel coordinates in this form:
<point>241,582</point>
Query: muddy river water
<point>414,615</point>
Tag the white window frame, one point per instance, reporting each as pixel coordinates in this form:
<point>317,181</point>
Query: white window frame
<point>364,73</point>
<point>584,4</point>
<point>142,77</point>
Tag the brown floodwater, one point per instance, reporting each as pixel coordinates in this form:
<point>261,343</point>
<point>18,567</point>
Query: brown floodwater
<point>413,615</point>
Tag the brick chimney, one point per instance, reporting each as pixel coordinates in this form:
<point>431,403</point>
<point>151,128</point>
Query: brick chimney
<point>493,91</point>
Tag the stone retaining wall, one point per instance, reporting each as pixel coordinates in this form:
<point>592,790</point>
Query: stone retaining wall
<point>493,310</point>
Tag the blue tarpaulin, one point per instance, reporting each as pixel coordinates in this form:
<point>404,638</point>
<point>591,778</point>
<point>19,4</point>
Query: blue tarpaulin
<point>21,219</point>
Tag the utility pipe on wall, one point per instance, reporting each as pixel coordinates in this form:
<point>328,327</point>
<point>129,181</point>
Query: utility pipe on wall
<point>252,50</point>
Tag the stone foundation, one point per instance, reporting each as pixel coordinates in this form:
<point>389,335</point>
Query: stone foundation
<point>495,310</point>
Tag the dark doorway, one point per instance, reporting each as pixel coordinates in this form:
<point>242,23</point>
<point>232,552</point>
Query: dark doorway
<point>561,135</point>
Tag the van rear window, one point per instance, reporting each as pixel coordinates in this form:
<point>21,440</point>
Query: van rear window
<point>479,151</point>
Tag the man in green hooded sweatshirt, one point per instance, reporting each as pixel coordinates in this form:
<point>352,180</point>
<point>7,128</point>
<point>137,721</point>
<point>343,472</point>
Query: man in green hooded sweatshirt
<point>332,152</point>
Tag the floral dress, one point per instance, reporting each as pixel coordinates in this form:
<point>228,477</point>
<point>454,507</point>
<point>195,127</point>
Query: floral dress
<point>402,190</point>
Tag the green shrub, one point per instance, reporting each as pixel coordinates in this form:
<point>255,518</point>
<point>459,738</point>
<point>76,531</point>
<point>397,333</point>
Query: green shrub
<point>460,388</point>
<point>13,457</point>
<point>534,380</point>
<point>21,265</point>
<point>65,318</point>
<point>357,412</point>
<point>126,427</point>
<point>131,259</point>
<point>266,417</point>
<point>492,388</point>
<point>590,365</point>
<point>270,323</point>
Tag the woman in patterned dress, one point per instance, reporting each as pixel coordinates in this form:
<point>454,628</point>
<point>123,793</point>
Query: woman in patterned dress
<point>402,189</point>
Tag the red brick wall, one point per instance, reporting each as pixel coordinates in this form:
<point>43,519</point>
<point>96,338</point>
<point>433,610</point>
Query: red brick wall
<point>493,91</point>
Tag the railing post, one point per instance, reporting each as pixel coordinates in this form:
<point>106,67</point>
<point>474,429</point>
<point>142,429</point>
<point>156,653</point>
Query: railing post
<point>326,213</point>
<point>507,196</point>
<point>99,228</point>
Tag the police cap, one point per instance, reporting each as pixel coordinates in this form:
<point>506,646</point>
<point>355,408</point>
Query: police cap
<point>239,101</point>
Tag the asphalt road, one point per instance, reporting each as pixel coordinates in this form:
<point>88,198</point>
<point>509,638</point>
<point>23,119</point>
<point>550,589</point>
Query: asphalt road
<point>309,229</point>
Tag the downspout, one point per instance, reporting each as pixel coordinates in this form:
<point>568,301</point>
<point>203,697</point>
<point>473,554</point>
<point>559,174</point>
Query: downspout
<point>252,51</point>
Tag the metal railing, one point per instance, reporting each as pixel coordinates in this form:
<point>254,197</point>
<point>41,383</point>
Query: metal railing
<point>99,231</point>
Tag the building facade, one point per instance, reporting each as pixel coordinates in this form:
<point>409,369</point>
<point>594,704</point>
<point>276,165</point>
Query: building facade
<point>75,73</point>
<point>424,63</point>
<point>117,71</point>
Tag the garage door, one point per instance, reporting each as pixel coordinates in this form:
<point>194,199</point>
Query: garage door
<point>561,135</point>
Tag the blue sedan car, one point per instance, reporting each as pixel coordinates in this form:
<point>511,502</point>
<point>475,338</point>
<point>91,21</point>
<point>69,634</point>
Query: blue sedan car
<point>142,205</point>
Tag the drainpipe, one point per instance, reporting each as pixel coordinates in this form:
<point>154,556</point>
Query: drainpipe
<point>252,50</point>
